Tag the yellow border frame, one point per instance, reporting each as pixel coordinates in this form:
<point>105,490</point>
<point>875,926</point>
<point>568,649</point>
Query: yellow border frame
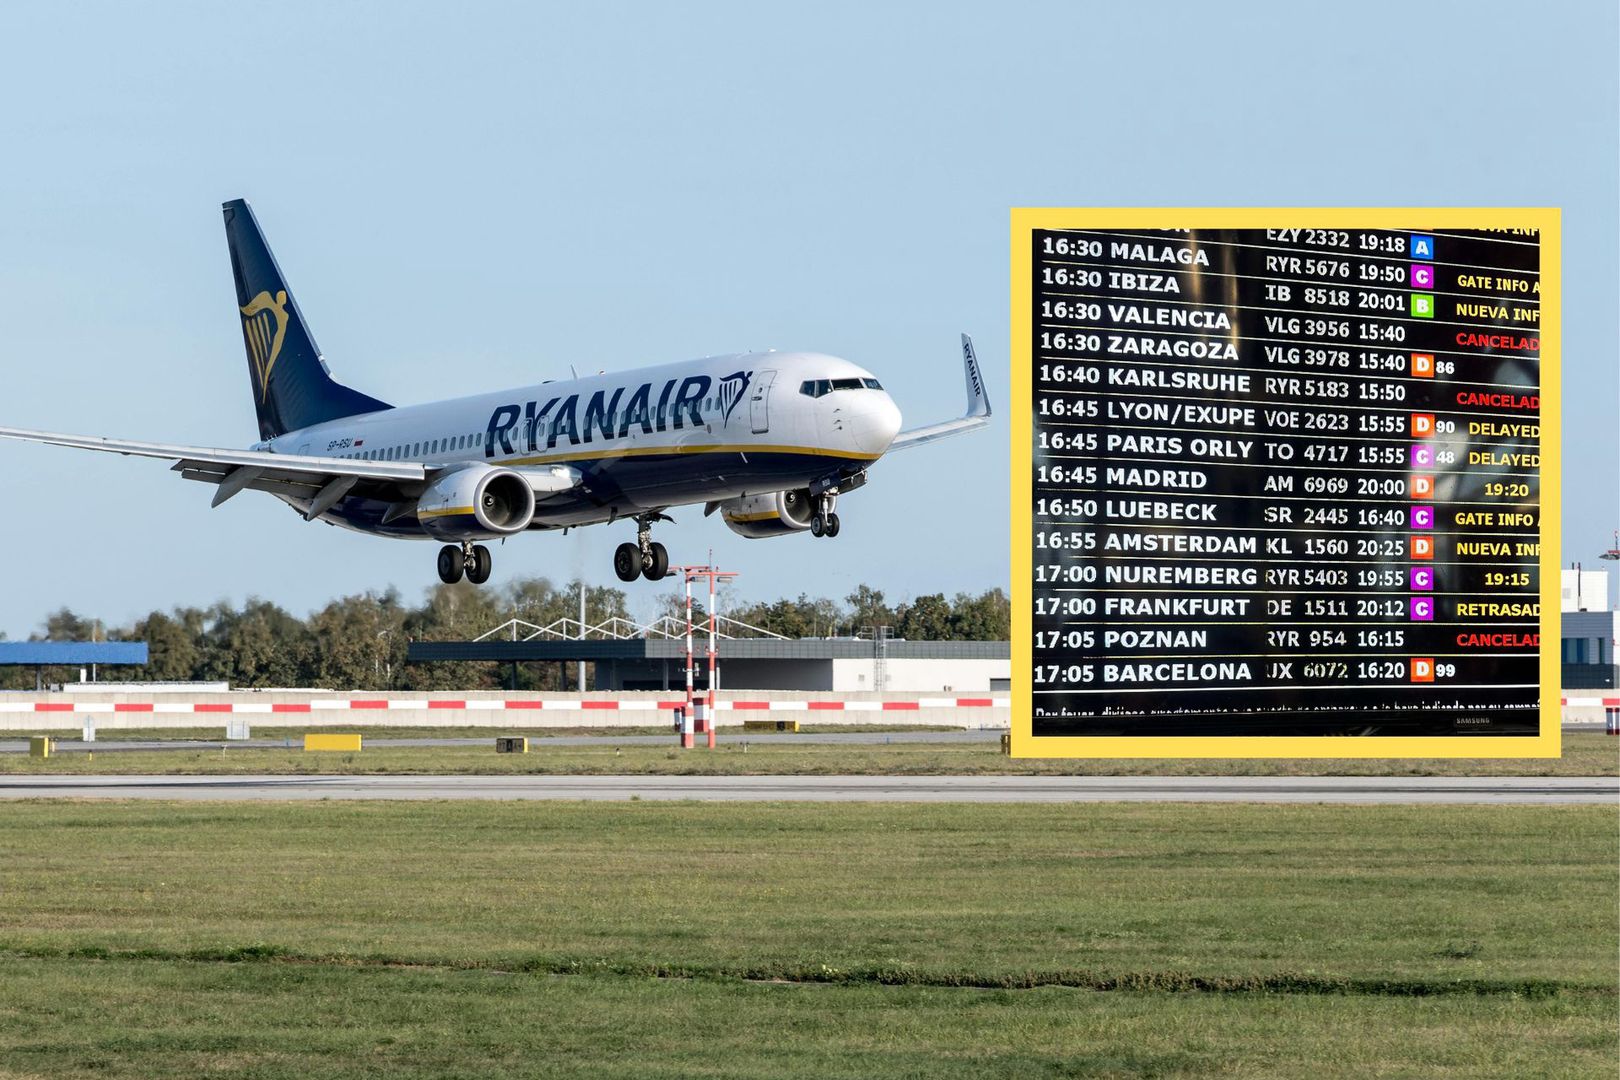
<point>1024,743</point>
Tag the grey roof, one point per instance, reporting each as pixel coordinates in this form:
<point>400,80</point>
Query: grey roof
<point>1589,623</point>
<point>733,648</point>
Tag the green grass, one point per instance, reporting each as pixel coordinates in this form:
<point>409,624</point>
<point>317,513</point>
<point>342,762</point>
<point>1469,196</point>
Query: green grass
<point>989,892</point>
<point>82,1019</point>
<point>694,939</point>
<point>1583,755</point>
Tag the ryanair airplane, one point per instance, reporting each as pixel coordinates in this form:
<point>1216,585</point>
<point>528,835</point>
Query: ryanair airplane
<point>770,440</point>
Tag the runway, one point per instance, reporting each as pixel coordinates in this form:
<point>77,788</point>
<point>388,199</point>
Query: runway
<point>974,789</point>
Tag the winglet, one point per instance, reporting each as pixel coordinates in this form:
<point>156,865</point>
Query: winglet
<point>978,407</point>
<point>978,401</point>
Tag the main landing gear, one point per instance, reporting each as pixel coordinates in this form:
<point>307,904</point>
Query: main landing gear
<point>824,522</point>
<point>644,558</point>
<point>470,558</point>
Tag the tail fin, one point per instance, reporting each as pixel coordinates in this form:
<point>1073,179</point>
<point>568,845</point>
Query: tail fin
<point>292,388</point>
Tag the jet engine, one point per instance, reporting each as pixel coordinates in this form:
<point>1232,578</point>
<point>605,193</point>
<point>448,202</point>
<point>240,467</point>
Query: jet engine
<point>775,514</point>
<point>476,502</point>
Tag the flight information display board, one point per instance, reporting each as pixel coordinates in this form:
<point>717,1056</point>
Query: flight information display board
<point>1286,477</point>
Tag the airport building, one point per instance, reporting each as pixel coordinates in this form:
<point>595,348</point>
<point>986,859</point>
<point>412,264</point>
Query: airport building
<point>1588,631</point>
<point>841,665</point>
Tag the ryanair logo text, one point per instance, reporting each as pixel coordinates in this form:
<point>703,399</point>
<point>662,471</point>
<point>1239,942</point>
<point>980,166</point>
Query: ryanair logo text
<point>605,416</point>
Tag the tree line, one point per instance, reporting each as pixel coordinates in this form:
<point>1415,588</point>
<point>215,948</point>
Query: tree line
<point>359,642</point>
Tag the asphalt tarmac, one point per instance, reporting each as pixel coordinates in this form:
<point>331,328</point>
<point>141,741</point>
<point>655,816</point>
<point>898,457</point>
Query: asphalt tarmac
<point>979,789</point>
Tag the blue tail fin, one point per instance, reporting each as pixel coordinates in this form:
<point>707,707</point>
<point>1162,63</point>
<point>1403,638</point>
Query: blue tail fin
<point>291,387</point>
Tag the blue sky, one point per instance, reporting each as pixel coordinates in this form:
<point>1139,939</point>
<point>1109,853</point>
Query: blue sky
<point>469,197</point>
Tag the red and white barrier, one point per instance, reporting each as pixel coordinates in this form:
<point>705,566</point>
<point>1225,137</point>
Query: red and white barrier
<point>469,705</point>
<point>290,709</point>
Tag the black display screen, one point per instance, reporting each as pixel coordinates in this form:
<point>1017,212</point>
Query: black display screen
<point>1285,482</point>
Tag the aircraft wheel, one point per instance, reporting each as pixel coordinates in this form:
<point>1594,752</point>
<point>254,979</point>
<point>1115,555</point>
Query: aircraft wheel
<point>658,566</point>
<point>627,562</point>
<point>450,564</point>
<point>482,564</point>
<point>831,526</point>
<point>818,527</point>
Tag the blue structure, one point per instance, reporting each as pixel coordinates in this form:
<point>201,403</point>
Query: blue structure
<point>75,653</point>
<point>44,654</point>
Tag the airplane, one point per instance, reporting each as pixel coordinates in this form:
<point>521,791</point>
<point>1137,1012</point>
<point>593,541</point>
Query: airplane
<point>769,440</point>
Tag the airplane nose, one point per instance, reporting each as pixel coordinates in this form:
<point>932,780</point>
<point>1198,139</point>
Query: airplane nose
<point>878,425</point>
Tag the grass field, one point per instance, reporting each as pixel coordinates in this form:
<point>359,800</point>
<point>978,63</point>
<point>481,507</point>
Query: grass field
<point>1583,755</point>
<point>649,939</point>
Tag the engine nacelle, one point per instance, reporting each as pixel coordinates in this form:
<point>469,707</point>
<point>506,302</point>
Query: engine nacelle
<point>476,502</point>
<point>775,514</point>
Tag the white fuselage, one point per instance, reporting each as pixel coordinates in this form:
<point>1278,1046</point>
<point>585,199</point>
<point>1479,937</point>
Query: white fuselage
<point>700,431</point>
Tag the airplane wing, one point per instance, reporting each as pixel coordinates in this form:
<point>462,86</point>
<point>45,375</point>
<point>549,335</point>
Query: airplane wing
<point>317,482</point>
<point>977,415</point>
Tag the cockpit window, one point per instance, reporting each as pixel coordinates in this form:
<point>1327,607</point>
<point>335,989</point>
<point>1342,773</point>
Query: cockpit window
<point>821,387</point>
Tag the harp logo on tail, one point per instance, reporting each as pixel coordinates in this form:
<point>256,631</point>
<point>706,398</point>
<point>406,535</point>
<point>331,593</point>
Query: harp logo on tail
<point>264,325</point>
<point>732,389</point>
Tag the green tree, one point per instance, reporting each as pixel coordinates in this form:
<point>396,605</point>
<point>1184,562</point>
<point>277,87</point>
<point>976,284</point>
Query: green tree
<point>173,654</point>
<point>867,607</point>
<point>457,612</point>
<point>539,603</point>
<point>800,618</point>
<point>986,617</point>
<point>927,618</point>
<point>359,642</point>
<point>259,646</point>
<point>64,625</point>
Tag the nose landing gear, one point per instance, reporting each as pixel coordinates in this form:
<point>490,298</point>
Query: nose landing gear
<point>471,559</point>
<point>644,558</point>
